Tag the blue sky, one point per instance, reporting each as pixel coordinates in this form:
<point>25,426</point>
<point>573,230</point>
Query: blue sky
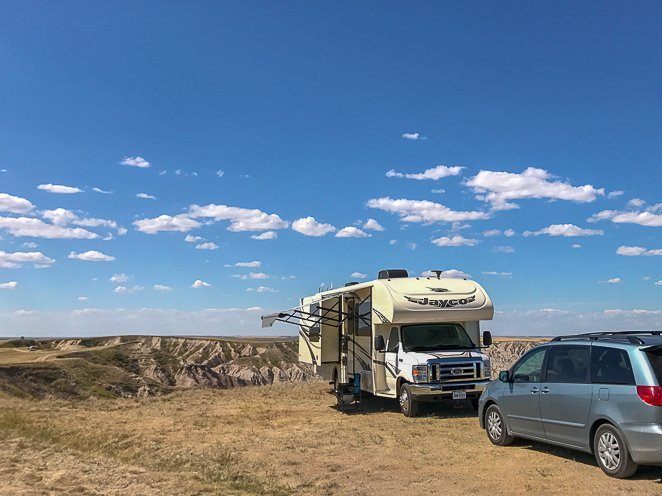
<point>442,122</point>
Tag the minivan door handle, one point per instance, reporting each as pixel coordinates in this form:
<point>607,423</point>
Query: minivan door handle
<point>545,390</point>
<point>534,390</point>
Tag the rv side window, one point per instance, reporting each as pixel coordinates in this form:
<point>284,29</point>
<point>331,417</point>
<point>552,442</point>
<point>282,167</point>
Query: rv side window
<point>365,317</point>
<point>393,341</point>
<point>312,323</point>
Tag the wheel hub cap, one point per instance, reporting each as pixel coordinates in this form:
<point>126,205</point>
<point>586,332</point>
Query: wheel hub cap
<point>609,451</point>
<point>494,427</point>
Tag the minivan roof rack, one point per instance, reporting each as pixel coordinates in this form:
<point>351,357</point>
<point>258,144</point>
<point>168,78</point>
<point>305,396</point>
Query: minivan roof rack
<point>631,336</point>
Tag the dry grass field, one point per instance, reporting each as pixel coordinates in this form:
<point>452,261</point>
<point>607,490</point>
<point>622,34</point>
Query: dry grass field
<point>275,440</point>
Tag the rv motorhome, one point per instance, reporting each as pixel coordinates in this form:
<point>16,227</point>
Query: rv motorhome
<point>411,338</point>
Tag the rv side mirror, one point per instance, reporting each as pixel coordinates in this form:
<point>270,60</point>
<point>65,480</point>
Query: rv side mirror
<point>380,345</point>
<point>487,338</point>
<point>504,376</point>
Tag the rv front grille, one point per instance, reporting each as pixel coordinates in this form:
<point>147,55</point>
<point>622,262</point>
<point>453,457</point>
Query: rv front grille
<point>455,372</point>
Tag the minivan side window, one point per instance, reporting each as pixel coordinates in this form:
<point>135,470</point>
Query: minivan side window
<point>610,366</point>
<point>568,364</point>
<point>529,368</point>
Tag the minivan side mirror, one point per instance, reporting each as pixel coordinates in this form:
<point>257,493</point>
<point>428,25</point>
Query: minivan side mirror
<point>380,344</point>
<point>504,376</point>
<point>487,338</point>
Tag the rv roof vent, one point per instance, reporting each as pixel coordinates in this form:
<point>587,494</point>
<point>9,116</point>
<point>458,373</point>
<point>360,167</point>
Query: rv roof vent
<point>392,274</point>
<point>351,283</point>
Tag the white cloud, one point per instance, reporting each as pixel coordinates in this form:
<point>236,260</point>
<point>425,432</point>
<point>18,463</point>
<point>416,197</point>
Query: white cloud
<point>438,191</point>
<point>615,194</point>
<point>252,264</point>
<point>241,219</point>
<point>220,173</point>
<point>15,260</point>
<point>454,273</point>
<point>262,289</point>
<point>658,283</point>
<point>413,136</point>
<point>434,173</point>
<point>497,232</point>
<point>496,273</point>
<point>30,245</point>
<point>8,285</point>
<point>59,189</point>
<point>15,204</point>
<point>504,249</point>
<point>636,203</point>
<point>373,225</point>
<point>102,191</point>
<point>200,284</point>
<point>614,280</point>
<point>634,312</point>
<point>393,242</point>
<point>252,275</point>
<point>358,275</point>
<point>412,246</point>
<point>352,232</point>
<point>35,228</point>
<point>136,161</point>
<point>423,211</point>
<point>635,251</point>
<point>508,233</point>
<point>145,196</point>
<point>119,278</point>
<point>454,241</point>
<point>161,288</point>
<point>650,216</point>
<point>126,290</point>
<point>209,245</point>
<point>91,256</point>
<point>192,239</point>
<point>82,298</point>
<point>177,223</point>
<point>59,216</point>
<point>265,235</point>
<point>576,245</point>
<point>565,230</point>
<point>310,227</point>
<point>500,188</point>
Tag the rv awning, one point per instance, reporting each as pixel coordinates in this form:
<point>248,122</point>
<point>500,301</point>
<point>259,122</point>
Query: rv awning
<point>325,314</point>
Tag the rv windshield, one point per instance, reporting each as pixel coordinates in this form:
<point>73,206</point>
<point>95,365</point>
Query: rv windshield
<point>430,337</point>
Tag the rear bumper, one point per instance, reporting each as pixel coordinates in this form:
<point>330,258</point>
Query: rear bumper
<point>445,390</point>
<point>645,442</point>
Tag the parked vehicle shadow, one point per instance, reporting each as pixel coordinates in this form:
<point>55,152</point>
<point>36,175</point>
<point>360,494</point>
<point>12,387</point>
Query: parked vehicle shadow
<point>371,405</point>
<point>651,473</point>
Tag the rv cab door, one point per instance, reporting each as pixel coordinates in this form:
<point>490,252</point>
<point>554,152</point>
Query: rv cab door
<point>391,359</point>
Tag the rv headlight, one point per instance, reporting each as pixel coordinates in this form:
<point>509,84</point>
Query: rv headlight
<point>419,373</point>
<point>487,368</point>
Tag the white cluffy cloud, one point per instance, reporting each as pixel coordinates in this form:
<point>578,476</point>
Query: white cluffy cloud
<point>59,189</point>
<point>192,239</point>
<point>496,273</point>
<point>15,204</point>
<point>198,283</point>
<point>265,236</point>
<point>119,278</point>
<point>36,228</point>
<point>423,211</point>
<point>252,264</point>
<point>498,232</point>
<point>251,275</point>
<point>136,161</point>
<point>499,189</point>
<point>454,273</point>
<point>209,245</point>
<point>15,260</point>
<point>241,219</point>
<point>504,249</point>
<point>636,251</point>
<point>262,289</point>
<point>613,280</point>
<point>454,241</point>
<point>352,232</point>
<point>146,196</point>
<point>413,136</point>
<point>372,225</point>
<point>91,256</point>
<point>220,173</point>
<point>565,230</point>
<point>308,226</point>
<point>176,223</point>
<point>434,173</point>
<point>127,290</point>
<point>63,217</point>
<point>358,275</point>
<point>161,288</point>
<point>8,285</point>
<point>650,217</point>
<point>102,191</point>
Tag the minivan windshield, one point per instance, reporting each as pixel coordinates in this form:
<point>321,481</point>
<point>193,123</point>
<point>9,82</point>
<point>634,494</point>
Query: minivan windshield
<point>431,337</point>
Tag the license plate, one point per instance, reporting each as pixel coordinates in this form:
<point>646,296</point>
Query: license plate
<point>459,395</point>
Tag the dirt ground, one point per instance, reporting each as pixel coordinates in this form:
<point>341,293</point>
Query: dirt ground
<point>276,440</point>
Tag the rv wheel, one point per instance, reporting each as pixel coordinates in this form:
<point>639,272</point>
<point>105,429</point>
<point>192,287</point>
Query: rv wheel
<point>408,405</point>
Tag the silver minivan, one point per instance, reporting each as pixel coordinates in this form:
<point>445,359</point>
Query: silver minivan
<point>599,392</point>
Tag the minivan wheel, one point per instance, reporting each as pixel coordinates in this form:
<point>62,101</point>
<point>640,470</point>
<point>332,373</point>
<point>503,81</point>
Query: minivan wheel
<point>495,426</point>
<point>612,453</point>
<point>408,405</point>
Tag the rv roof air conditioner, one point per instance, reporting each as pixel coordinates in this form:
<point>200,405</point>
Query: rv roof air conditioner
<point>392,274</point>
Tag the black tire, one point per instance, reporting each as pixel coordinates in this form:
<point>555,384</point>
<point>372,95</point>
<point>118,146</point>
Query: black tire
<point>495,427</point>
<point>408,405</point>
<point>612,454</point>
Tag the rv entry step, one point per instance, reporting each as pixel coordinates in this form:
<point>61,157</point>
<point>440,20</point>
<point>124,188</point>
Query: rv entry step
<point>348,395</point>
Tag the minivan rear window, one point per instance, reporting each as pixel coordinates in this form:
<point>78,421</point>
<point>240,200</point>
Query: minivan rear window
<point>610,366</point>
<point>655,359</point>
